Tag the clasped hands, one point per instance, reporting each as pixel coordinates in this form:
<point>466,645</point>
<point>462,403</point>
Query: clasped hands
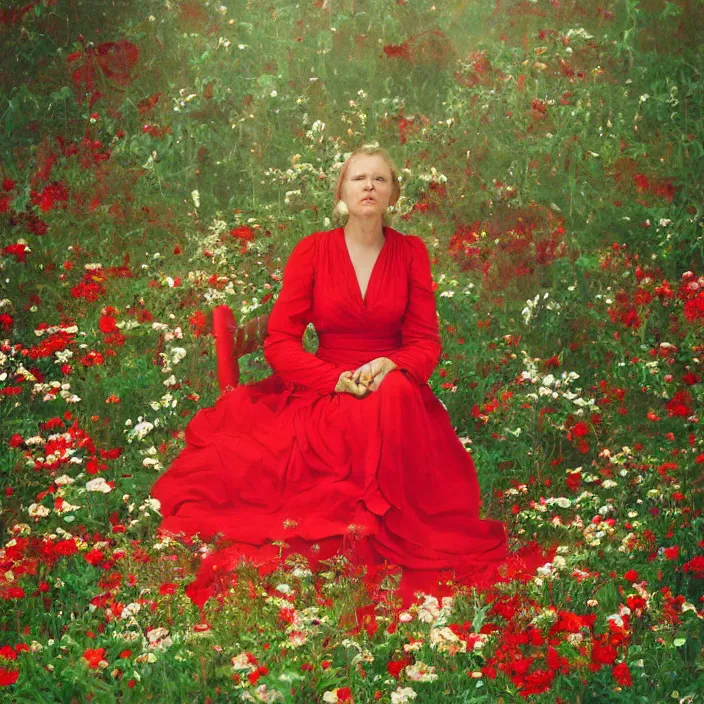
<point>365,379</point>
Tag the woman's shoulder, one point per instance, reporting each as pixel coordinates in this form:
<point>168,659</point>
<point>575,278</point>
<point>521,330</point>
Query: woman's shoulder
<point>412,245</point>
<point>408,239</point>
<point>310,244</point>
<point>306,246</point>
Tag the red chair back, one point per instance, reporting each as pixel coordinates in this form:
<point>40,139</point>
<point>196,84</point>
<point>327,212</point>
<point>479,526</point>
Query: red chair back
<point>233,342</point>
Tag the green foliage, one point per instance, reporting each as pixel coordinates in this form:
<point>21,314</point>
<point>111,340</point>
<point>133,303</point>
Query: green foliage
<point>161,158</point>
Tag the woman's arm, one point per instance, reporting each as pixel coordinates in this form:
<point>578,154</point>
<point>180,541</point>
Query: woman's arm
<point>421,346</point>
<point>283,348</point>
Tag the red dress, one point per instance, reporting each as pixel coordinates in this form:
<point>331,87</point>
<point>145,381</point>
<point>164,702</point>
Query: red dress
<point>288,459</point>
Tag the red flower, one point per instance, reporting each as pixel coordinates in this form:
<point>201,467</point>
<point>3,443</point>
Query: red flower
<point>631,576</point>
<point>256,674</point>
<point>568,622</point>
<point>243,233</point>
<point>344,694</point>
<point>65,547</point>
<point>107,324</point>
<point>168,588</point>
<point>574,480</point>
<point>94,658</point>
<point>636,604</point>
<point>672,553</point>
<point>580,429</point>
<point>16,441</point>
<point>8,677</point>
<point>8,653</point>
<point>680,404</point>
<point>94,557</point>
<point>89,291</point>
<point>199,323</point>
<point>622,674</point>
<point>694,308</point>
<point>395,667</point>
<point>603,653</point>
<point>399,51</point>
<point>695,566</point>
<point>534,683</point>
<point>49,195</point>
<point>12,593</point>
<point>18,251</point>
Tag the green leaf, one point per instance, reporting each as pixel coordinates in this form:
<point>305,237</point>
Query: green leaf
<point>587,261</point>
<point>266,79</point>
<point>325,39</point>
<point>62,94</point>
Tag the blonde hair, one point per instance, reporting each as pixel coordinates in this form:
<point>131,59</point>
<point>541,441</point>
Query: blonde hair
<point>340,211</point>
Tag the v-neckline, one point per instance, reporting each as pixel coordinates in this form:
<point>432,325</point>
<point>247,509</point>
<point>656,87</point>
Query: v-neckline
<point>363,298</point>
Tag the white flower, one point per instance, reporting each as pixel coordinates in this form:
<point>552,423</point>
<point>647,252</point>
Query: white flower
<point>429,610</point>
<point>152,504</point>
<point>130,610</point>
<point>420,672</point>
<point>140,431</point>
<point>241,662</point>
<point>446,640</point>
<point>159,638</point>
<point>66,507</point>
<point>297,638</point>
<point>38,511</point>
<point>402,695</point>
<point>263,694</point>
<point>177,354</point>
<point>98,484</point>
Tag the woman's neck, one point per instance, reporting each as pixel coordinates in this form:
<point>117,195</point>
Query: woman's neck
<point>365,233</point>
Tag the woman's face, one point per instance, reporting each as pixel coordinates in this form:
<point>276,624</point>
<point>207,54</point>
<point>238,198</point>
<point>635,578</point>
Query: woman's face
<point>368,186</point>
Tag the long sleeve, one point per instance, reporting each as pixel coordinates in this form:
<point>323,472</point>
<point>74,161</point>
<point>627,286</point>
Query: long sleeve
<point>283,344</point>
<point>421,345</point>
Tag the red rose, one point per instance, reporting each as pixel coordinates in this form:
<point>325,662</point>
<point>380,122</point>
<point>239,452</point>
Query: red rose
<point>622,674</point>
<point>94,657</point>
<point>8,677</point>
<point>107,323</point>
<point>94,557</point>
<point>672,553</point>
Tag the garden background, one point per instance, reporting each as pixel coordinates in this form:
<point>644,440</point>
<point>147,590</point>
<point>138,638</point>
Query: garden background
<point>161,158</point>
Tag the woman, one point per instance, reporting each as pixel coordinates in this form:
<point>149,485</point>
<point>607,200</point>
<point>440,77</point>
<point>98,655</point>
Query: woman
<point>348,446</point>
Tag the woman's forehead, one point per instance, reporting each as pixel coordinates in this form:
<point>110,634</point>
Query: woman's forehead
<point>361,163</point>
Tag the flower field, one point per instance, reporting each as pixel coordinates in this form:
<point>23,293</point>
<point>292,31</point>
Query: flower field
<point>160,158</point>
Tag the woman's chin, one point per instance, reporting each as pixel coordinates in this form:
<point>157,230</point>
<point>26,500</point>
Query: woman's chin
<point>366,212</point>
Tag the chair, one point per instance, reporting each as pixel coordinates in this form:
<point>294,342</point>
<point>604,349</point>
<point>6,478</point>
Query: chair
<point>233,342</point>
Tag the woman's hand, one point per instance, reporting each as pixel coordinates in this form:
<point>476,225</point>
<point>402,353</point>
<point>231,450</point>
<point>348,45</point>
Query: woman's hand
<point>371,374</point>
<point>345,384</point>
